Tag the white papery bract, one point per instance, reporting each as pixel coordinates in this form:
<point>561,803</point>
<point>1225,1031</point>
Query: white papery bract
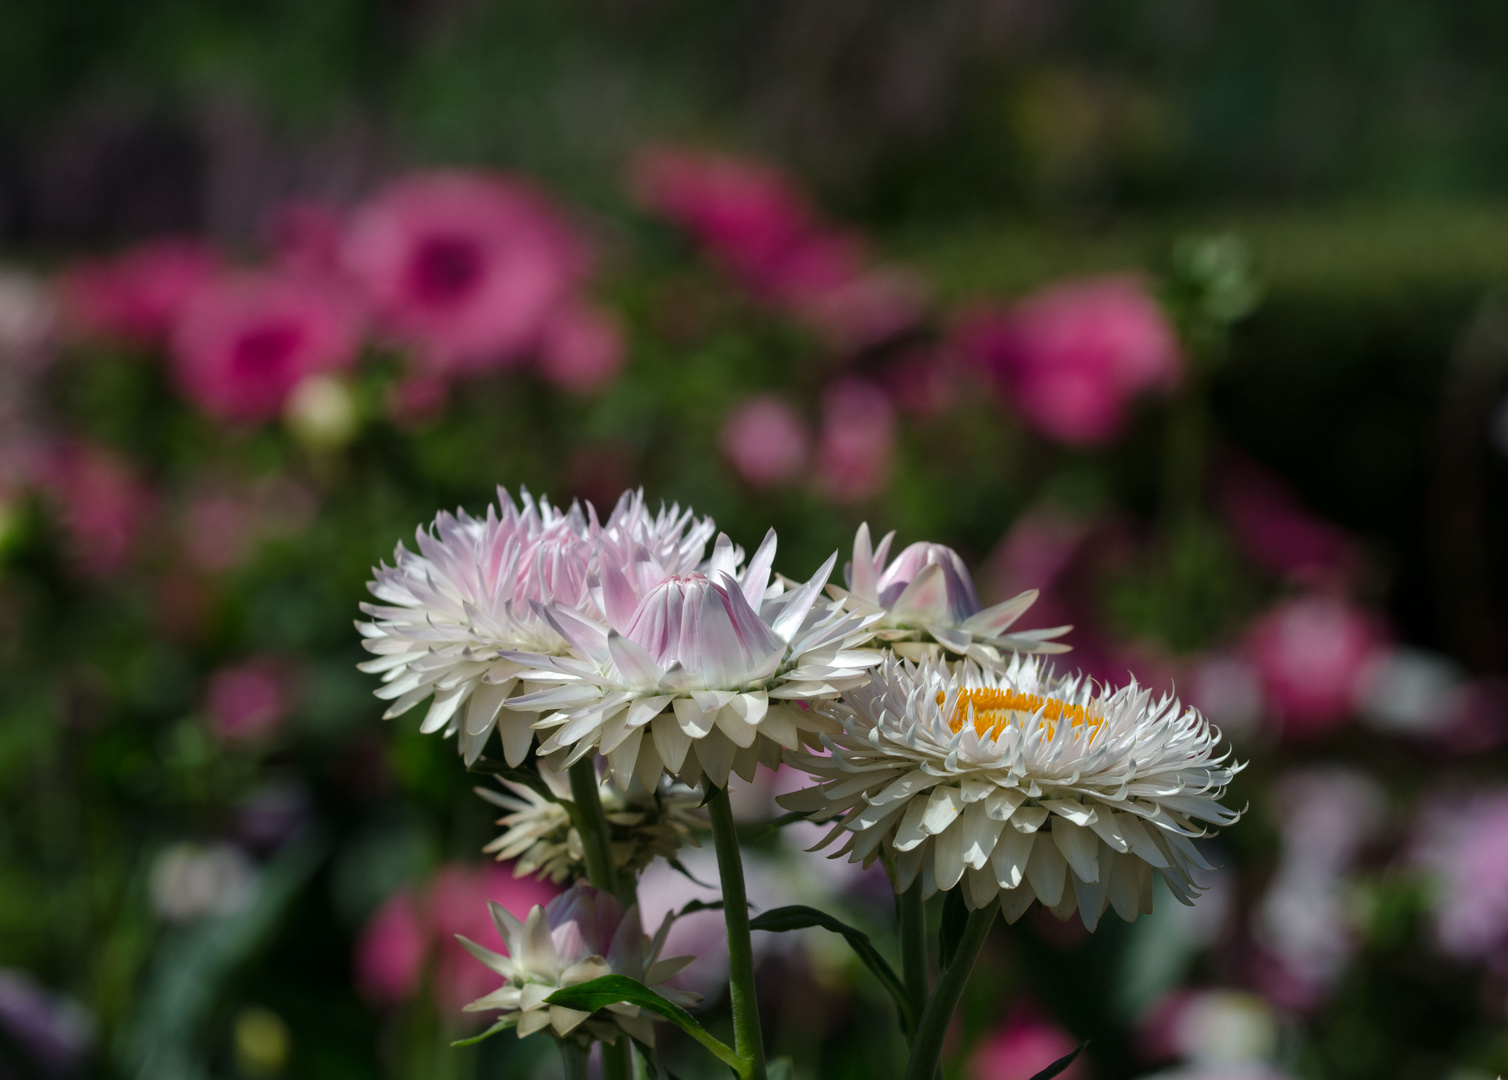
<point>926,603</point>
<point>447,615</point>
<point>582,934</point>
<point>695,674</point>
<point>643,824</point>
<point>1019,786</point>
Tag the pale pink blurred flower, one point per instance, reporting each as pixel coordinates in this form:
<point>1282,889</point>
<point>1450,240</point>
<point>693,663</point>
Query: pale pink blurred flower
<point>305,237</point>
<point>868,308</point>
<point>101,504</point>
<point>766,441</point>
<point>1072,357</point>
<point>1212,1026</point>
<point>856,441</point>
<point>28,321</point>
<point>1312,654</point>
<point>243,342</point>
<point>466,267</point>
<point>1023,1047</point>
<point>581,348</point>
<point>1277,532</point>
<point>1464,847</point>
<point>218,531</point>
<point>136,295</point>
<point>391,951</point>
<point>248,701</point>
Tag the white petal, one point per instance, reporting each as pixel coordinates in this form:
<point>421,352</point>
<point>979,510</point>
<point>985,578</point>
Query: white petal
<point>1080,847</point>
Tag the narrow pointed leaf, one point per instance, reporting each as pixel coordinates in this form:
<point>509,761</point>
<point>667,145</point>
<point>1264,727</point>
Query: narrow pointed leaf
<point>1062,1063</point>
<point>501,1025</point>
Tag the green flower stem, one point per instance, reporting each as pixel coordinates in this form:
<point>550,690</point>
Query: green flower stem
<point>596,842</point>
<point>575,1057</point>
<point>748,1040</point>
<point>926,1048</point>
<point>913,920</point>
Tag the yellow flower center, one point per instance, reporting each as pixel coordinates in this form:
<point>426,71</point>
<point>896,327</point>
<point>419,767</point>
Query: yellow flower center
<point>994,709</point>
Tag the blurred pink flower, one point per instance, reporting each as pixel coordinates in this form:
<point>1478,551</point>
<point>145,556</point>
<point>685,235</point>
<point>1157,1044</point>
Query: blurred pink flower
<point>1023,1047</point>
<point>136,295</point>
<point>305,237</point>
<point>922,382</point>
<point>244,342</point>
<point>1073,356</point>
<point>581,348</point>
<point>466,267</point>
<point>766,441</point>
<point>1311,654</point>
<point>249,700</point>
<point>857,438</point>
<point>1464,846</point>
<point>1277,532</point>
<point>218,531</point>
<point>391,950</point>
<point>867,308</point>
<point>101,504</point>
<point>417,400</point>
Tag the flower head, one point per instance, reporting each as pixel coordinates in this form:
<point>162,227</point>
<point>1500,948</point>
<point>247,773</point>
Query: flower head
<point>1020,786</point>
<point>720,660</point>
<point>448,614</point>
<point>927,603</point>
<point>137,295</point>
<point>645,825</point>
<point>582,934</point>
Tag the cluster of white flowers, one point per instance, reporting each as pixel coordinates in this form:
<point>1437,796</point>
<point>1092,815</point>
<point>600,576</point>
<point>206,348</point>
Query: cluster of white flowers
<point>934,737</point>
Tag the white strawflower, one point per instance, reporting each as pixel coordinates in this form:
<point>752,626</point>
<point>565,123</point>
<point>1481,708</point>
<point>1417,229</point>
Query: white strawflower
<point>582,934</point>
<point>696,673</point>
<point>926,603</point>
<point>538,833</point>
<point>1020,786</point>
<point>448,614</point>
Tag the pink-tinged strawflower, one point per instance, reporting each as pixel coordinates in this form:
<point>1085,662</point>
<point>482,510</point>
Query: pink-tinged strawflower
<point>581,935</point>
<point>927,603</point>
<point>138,295</point>
<point>449,616</point>
<point>1019,786</point>
<point>696,673</point>
<point>1074,356</point>
<point>466,267</point>
<point>766,441</point>
<point>243,343</point>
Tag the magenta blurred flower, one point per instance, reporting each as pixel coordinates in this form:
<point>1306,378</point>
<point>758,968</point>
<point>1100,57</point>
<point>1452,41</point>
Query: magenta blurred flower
<point>250,700</point>
<point>1312,654</point>
<point>1023,1047</point>
<point>139,294</point>
<point>1072,357</point>
<point>856,440</point>
<point>391,951</point>
<point>1464,847</point>
<point>101,504</point>
<point>766,441</point>
<point>581,348</point>
<point>243,342</point>
<point>1277,532</point>
<point>466,267</point>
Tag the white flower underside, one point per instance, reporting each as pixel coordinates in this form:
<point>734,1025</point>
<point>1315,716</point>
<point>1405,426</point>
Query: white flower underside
<point>918,625</point>
<point>533,969</point>
<point>448,614</point>
<point>754,656</point>
<point>1074,814</point>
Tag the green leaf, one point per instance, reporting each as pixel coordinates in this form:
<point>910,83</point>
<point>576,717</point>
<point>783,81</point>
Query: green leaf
<point>955,916</point>
<point>799,917</point>
<point>611,989</point>
<point>1061,1064</point>
<point>680,868</point>
<point>781,1069</point>
<point>501,1025</point>
<point>699,905</point>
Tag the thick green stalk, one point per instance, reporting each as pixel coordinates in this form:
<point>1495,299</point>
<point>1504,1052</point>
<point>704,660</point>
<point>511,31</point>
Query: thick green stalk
<point>913,919</point>
<point>748,1040</point>
<point>597,844</point>
<point>926,1047</point>
<point>575,1057</point>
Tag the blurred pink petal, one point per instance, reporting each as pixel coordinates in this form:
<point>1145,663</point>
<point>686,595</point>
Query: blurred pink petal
<point>1072,357</point>
<point>582,348</point>
<point>465,267</point>
<point>856,441</point>
<point>136,295</point>
<point>391,950</point>
<point>101,504</point>
<point>1277,532</point>
<point>766,441</point>
<point>865,309</point>
<point>248,701</point>
<point>1023,1047</point>
<point>1311,654</point>
<point>244,342</point>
